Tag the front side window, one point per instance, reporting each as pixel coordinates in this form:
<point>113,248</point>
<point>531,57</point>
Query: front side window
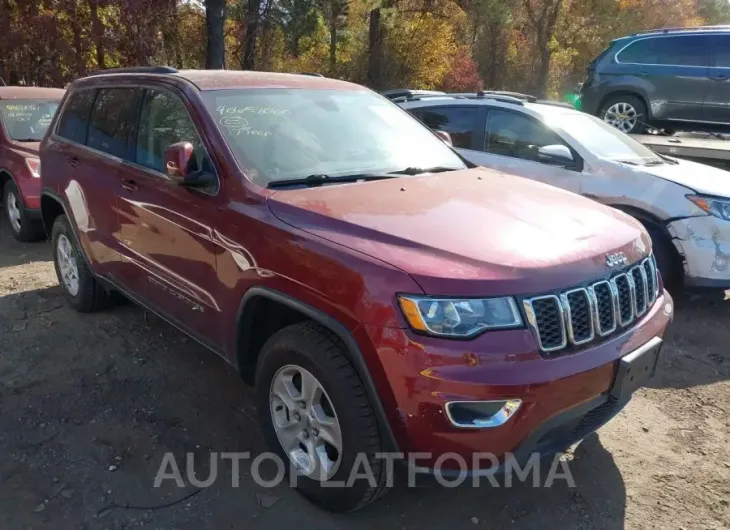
<point>27,120</point>
<point>643,51</point>
<point>517,136</point>
<point>113,121</point>
<point>278,134</point>
<point>459,122</point>
<point>74,122</point>
<point>164,121</point>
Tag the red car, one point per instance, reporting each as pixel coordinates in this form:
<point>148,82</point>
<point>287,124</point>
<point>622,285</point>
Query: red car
<point>25,114</point>
<point>382,294</point>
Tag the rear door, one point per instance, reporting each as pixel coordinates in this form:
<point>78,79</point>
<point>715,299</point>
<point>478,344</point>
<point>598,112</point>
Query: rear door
<point>511,145</point>
<point>717,103</point>
<point>673,71</point>
<point>167,229</point>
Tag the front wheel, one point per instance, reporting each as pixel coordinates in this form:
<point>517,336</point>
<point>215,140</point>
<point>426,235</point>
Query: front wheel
<point>627,113</point>
<point>317,418</point>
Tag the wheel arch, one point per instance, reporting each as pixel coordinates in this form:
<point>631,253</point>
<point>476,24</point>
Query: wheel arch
<point>253,328</point>
<point>5,177</point>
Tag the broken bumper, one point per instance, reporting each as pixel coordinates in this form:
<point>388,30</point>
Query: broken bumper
<point>704,243</point>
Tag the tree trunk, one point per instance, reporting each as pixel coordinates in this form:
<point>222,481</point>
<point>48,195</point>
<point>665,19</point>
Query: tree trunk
<point>78,51</point>
<point>248,61</point>
<point>215,17</point>
<point>375,50</point>
<point>98,29</point>
<point>333,40</point>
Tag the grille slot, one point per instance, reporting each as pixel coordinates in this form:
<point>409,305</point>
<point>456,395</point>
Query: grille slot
<point>578,316</point>
<point>546,315</point>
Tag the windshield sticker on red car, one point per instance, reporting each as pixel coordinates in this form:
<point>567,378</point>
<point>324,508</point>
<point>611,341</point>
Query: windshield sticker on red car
<point>237,126</point>
<point>223,110</point>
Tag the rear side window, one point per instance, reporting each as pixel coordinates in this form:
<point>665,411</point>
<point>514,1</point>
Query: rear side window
<point>721,47</point>
<point>687,50</point>
<point>459,122</point>
<point>74,122</point>
<point>113,121</point>
<point>690,50</point>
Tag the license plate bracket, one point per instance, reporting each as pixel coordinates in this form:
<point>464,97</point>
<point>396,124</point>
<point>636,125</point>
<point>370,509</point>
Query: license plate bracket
<point>635,369</point>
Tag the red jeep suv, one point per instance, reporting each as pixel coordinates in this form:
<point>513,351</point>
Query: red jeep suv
<point>25,114</point>
<point>383,295</point>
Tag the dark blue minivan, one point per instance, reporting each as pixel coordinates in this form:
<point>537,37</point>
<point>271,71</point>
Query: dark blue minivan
<point>666,78</point>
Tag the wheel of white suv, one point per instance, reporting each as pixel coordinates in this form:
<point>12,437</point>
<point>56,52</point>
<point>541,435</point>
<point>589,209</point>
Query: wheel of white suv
<point>626,113</point>
<point>83,291</point>
<point>317,418</point>
<point>22,227</point>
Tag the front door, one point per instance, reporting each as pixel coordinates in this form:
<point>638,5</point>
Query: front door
<point>167,229</point>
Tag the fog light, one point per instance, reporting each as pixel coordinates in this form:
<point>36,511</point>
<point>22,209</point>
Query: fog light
<point>481,414</point>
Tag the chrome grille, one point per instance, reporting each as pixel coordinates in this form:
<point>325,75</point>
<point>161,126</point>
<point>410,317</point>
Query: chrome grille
<point>578,316</point>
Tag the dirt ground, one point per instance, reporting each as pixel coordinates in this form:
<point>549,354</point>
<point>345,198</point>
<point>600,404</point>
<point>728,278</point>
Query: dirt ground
<point>90,403</point>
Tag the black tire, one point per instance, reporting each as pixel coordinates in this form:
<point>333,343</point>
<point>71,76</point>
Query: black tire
<point>641,123</point>
<point>30,229</point>
<point>316,349</point>
<point>668,260</point>
<point>91,295</point>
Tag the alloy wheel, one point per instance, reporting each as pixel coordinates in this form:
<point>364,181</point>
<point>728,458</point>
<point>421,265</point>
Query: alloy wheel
<point>13,208</point>
<point>621,115</point>
<point>305,422</point>
<point>66,259</point>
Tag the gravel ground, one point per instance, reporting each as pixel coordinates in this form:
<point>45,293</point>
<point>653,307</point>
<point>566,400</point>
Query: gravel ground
<point>89,404</point>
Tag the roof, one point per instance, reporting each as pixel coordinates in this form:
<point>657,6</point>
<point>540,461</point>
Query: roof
<point>30,92</point>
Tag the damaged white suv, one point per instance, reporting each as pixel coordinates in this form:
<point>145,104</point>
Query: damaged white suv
<point>685,206</point>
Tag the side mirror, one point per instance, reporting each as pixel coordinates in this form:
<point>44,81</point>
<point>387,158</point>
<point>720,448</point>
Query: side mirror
<point>446,137</point>
<point>177,161</point>
<point>555,154</point>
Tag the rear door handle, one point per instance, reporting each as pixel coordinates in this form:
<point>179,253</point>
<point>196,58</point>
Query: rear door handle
<point>719,77</point>
<point>73,161</point>
<point>129,185</point>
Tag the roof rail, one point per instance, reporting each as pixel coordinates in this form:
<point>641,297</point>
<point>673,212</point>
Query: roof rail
<point>137,70</point>
<point>504,97</point>
<point>410,94</point>
<point>681,29</point>
<point>313,74</point>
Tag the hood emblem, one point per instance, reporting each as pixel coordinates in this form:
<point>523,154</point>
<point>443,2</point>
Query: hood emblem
<point>614,260</point>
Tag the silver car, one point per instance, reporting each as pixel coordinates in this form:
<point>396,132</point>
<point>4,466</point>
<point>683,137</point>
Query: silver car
<point>684,205</point>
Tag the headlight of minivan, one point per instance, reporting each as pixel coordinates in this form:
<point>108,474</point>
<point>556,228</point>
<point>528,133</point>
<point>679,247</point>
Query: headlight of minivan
<point>459,317</point>
<point>712,205</point>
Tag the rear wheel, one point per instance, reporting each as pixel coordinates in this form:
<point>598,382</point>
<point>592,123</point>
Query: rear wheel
<point>83,291</point>
<point>317,418</point>
<point>627,113</point>
<point>22,226</point>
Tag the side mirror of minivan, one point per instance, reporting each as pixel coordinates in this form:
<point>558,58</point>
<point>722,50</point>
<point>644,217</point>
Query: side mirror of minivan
<point>557,154</point>
<point>446,137</point>
<point>177,161</point>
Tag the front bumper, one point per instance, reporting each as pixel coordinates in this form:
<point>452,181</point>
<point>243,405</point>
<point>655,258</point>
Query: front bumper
<point>563,398</point>
<point>704,243</point>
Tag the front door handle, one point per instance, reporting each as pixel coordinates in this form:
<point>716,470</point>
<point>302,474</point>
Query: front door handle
<point>719,77</point>
<point>129,185</point>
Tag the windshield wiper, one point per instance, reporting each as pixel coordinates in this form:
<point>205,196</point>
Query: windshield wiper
<point>420,170</point>
<point>26,139</point>
<point>628,162</point>
<point>318,179</point>
<point>667,159</point>
<point>654,163</point>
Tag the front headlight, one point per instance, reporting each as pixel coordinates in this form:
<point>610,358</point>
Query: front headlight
<point>459,317</point>
<point>712,205</point>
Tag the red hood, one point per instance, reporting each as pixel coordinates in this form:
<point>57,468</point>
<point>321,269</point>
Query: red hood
<point>453,232</point>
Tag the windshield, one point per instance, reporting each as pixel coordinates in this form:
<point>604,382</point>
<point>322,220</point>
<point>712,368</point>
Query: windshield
<point>27,120</point>
<point>603,140</point>
<point>279,134</point>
